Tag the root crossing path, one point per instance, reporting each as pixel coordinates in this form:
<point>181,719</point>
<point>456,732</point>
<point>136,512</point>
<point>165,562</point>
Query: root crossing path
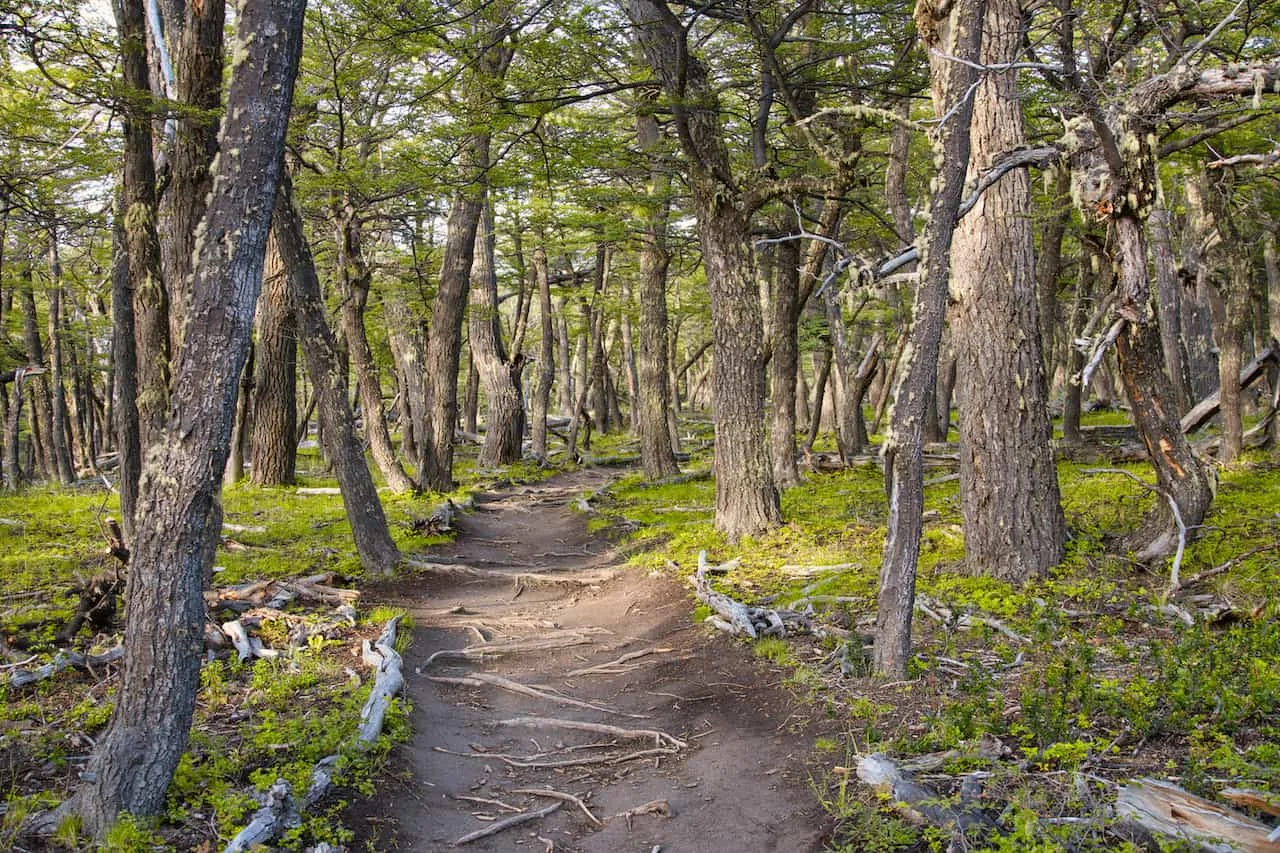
<point>562,702</point>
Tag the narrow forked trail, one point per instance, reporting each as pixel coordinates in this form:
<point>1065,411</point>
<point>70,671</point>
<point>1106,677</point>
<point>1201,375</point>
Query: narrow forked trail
<point>586,702</point>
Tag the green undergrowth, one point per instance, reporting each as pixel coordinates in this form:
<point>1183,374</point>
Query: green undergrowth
<point>1084,678</point>
<point>255,721</point>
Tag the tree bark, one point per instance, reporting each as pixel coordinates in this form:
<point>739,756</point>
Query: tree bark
<point>504,402</point>
<point>746,498</point>
<point>273,452</point>
<point>61,424</point>
<point>1013,524</point>
<point>405,334</point>
<point>652,400</point>
<point>41,403</point>
<point>356,278</point>
<point>1093,266</point>
<point>1169,300</point>
<point>124,357</point>
<point>444,338</point>
<point>784,363</point>
<point>958,32</point>
<point>1234,327</point>
<point>378,554</point>
<point>823,373</point>
<point>546,355</point>
<point>194,33</point>
<point>136,757</point>
<point>234,471</point>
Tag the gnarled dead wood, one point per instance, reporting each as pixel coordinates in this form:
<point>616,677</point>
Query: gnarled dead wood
<point>1166,810</point>
<point>64,660</point>
<point>883,773</point>
<point>734,617</point>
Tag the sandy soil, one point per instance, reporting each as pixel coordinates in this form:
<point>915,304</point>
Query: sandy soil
<point>737,782</point>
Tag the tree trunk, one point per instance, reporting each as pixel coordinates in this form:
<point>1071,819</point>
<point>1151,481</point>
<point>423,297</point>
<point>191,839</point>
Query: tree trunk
<point>1048,266</point>
<point>1014,528</point>
<point>135,759</point>
<point>1169,300</point>
<point>1151,400</point>
<point>1092,266</point>
<point>599,391</point>
<point>41,403</point>
<point>823,373</point>
<point>444,338</point>
<point>957,32</point>
<point>1234,326</point>
<point>564,363</point>
<point>546,355</point>
<point>844,354</point>
<point>124,358</point>
<point>378,554</point>
<point>234,471</point>
<point>356,277</point>
<point>405,337</point>
<point>652,403</point>
<point>746,498</point>
<point>784,363</point>
<point>274,444</point>
<point>194,33</point>
<point>61,424</point>
<point>504,404</point>
<point>1271,261</point>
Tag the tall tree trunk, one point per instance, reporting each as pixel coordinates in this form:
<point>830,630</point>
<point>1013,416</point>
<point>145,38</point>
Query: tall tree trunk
<point>378,554</point>
<point>1014,528</point>
<point>135,759</point>
<point>746,498</point>
<point>1234,326</point>
<point>13,428</point>
<point>61,450</point>
<point>957,32</point>
<point>784,363</point>
<point>1048,266</point>
<point>273,449</point>
<point>1169,290</point>
<point>194,33</point>
<point>234,471</point>
<point>356,278</point>
<point>652,400</point>
<point>504,403</point>
<point>599,390</point>
<point>444,338</point>
<point>124,358</point>
<point>41,404</point>
<point>1271,262</point>
<point>1093,266</point>
<point>546,355</point>
<point>822,377</point>
<point>564,363</point>
<point>405,336</point>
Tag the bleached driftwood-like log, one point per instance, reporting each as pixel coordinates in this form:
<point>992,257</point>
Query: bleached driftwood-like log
<point>281,811</point>
<point>388,683</point>
<point>440,520</point>
<point>277,813</point>
<point>318,490</point>
<point>64,660</point>
<point>883,773</point>
<point>1163,809</point>
<point>734,617</point>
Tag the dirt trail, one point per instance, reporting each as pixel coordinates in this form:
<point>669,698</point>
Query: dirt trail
<point>738,782</point>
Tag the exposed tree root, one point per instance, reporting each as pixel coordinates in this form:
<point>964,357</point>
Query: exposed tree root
<point>563,797</point>
<point>514,820</point>
<point>617,665</point>
<point>480,679</point>
<point>659,738</point>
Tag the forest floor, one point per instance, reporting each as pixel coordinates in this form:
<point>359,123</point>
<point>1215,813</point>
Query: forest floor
<point>583,629</point>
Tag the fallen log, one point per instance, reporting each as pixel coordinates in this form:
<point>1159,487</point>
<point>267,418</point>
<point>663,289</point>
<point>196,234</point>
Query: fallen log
<point>919,802</point>
<point>1162,809</point>
<point>1201,412</point>
<point>280,810</point>
<point>734,617</point>
<point>64,660</point>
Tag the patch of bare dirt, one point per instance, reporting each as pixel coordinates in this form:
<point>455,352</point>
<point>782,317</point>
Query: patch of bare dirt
<point>722,768</point>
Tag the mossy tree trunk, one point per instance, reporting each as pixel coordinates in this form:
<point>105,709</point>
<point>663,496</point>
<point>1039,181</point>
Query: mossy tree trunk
<point>135,759</point>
